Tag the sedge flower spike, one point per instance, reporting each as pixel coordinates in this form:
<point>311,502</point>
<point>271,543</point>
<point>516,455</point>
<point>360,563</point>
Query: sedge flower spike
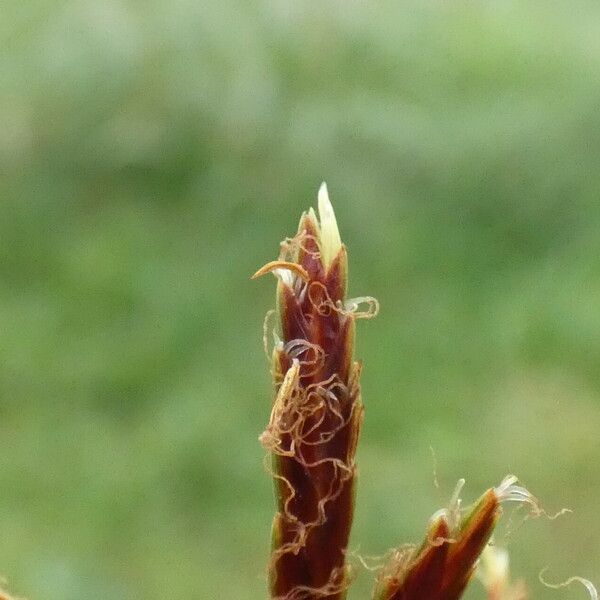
<point>317,412</point>
<point>446,561</point>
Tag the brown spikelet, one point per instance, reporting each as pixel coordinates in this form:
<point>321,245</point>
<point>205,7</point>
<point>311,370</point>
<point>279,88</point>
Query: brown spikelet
<point>444,565</point>
<point>317,413</point>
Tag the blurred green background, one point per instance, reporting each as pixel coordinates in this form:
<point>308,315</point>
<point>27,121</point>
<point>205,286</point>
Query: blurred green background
<point>153,154</point>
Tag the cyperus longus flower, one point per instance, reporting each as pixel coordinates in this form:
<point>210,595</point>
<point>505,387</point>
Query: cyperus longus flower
<point>445,563</point>
<point>317,413</point>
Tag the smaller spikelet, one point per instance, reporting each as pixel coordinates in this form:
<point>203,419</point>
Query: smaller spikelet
<point>443,565</point>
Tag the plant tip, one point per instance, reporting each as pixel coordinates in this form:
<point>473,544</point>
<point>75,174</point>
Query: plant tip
<point>330,235</point>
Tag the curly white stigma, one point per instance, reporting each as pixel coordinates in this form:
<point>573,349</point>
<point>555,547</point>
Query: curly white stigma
<point>509,491</point>
<point>331,242</point>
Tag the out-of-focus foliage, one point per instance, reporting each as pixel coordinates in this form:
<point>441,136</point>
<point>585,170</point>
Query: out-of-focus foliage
<point>153,153</point>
